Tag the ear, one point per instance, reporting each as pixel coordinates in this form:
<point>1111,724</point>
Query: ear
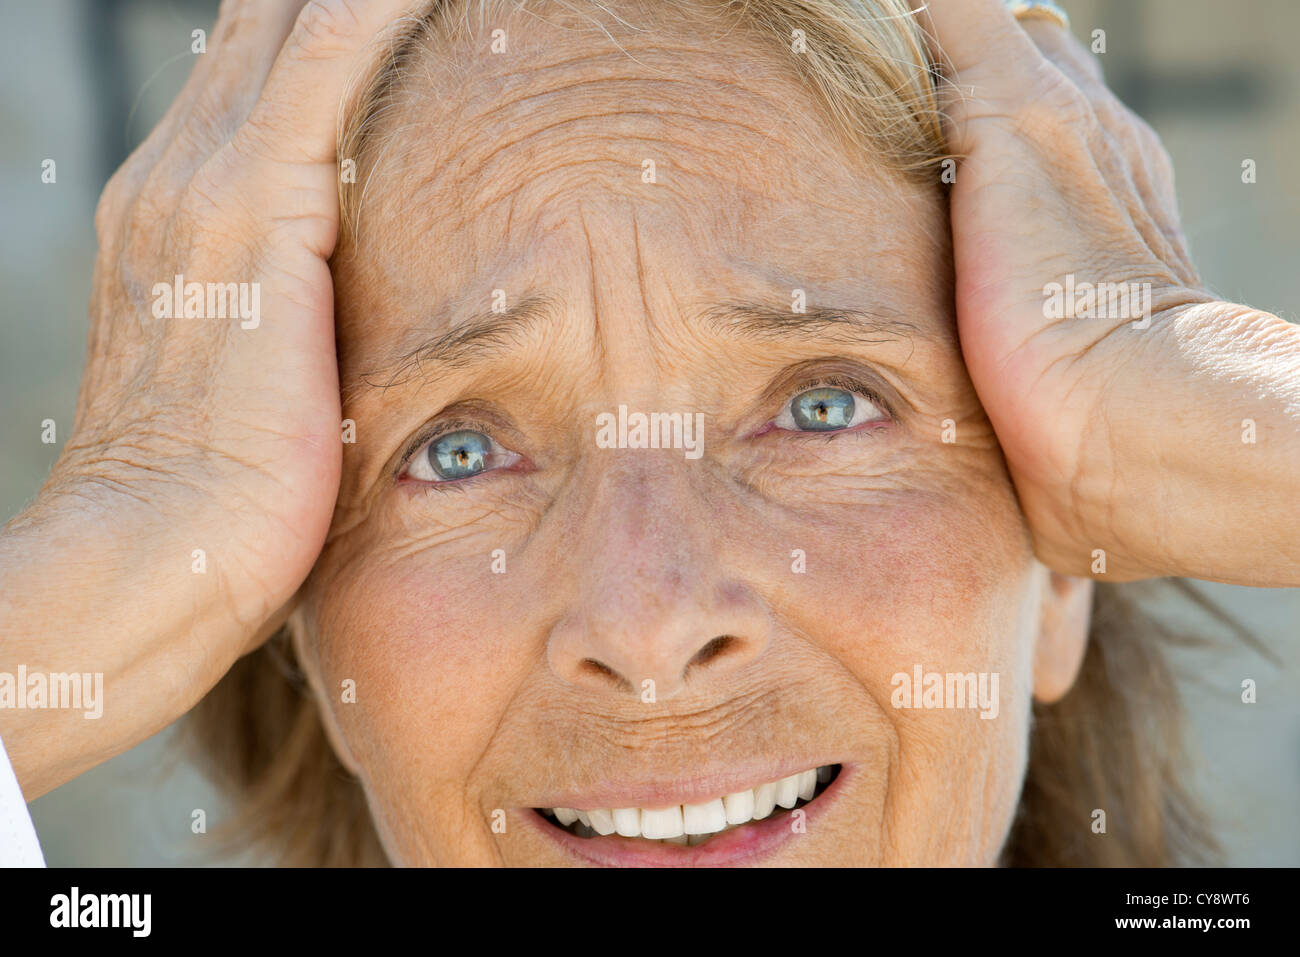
<point>1065,616</point>
<point>309,665</point>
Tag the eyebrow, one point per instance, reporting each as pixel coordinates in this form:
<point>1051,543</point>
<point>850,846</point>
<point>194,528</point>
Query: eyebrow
<point>482,336</point>
<point>760,321</point>
<point>489,334</point>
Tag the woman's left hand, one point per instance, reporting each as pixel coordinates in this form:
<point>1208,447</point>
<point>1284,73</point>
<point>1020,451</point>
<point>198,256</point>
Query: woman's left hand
<point>1148,437</point>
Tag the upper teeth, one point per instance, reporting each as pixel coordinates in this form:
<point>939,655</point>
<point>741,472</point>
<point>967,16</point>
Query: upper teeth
<point>683,821</point>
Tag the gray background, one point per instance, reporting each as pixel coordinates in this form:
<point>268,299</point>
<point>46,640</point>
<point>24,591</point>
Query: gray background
<point>85,81</point>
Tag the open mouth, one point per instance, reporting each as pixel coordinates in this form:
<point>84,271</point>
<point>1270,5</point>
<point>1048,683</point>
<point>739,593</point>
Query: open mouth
<point>693,824</point>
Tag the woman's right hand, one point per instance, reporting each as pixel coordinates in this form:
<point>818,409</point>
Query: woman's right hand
<point>198,482</point>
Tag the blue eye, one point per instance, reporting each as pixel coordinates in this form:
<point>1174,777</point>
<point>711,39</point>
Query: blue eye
<point>827,409</point>
<point>458,455</point>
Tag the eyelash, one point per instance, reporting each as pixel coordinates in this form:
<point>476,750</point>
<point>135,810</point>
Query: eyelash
<point>848,384</point>
<point>433,433</point>
<point>436,431</point>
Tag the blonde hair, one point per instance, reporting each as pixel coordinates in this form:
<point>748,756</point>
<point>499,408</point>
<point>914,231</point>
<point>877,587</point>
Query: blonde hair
<point>1113,743</point>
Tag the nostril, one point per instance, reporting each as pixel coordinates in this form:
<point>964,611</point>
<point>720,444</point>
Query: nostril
<point>714,649</point>
<point>594,667</point>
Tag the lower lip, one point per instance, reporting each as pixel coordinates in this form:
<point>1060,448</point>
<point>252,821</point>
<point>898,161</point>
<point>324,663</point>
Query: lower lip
<point>747,844</point>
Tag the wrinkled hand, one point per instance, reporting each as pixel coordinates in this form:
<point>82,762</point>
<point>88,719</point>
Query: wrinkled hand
<point>201,473</point>
<point>229,427</point>
<point>1097,412</point>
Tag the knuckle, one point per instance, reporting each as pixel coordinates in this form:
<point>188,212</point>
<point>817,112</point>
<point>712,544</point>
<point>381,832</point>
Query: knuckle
<point>231,12</point>
<point>1058,107</point>
<point>1144,144</point>
<point>146,227</point>
<point>1164,161</point>
<point>1089,63</point>
<point>323,28</point>
<point>1154,153</point>
<point>108,211</point>
<point>119,193</point>
<point>1150,140</point>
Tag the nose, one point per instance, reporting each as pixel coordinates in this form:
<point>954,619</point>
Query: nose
<point>656,611</point>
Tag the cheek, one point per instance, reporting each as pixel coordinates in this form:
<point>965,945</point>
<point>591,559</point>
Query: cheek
<point>434,666</point>
<point>940,583</point>
<point>932,578</point>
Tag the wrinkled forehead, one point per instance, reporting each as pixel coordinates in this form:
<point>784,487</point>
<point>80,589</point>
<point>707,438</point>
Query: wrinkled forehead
<point>520,134</point>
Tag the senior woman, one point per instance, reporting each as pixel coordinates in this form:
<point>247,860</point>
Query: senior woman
<point>624,461</point>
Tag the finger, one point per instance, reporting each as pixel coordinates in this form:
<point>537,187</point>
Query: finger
<point>245,40</point>
<point>245,45</point>
<point>1061,46</point>
<point>992,68</point>
<point>236,18</point>
<point>1072,58</point>
<point>966,35</point>
<point>1141,156</point>
<point>295,119</point>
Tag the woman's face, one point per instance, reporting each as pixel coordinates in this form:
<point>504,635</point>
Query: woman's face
<point>535,613</point>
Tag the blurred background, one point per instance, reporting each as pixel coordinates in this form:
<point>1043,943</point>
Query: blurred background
<point>85,81</point>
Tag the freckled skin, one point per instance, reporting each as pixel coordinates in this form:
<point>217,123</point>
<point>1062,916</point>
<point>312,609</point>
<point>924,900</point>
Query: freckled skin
<point>474,689</point>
